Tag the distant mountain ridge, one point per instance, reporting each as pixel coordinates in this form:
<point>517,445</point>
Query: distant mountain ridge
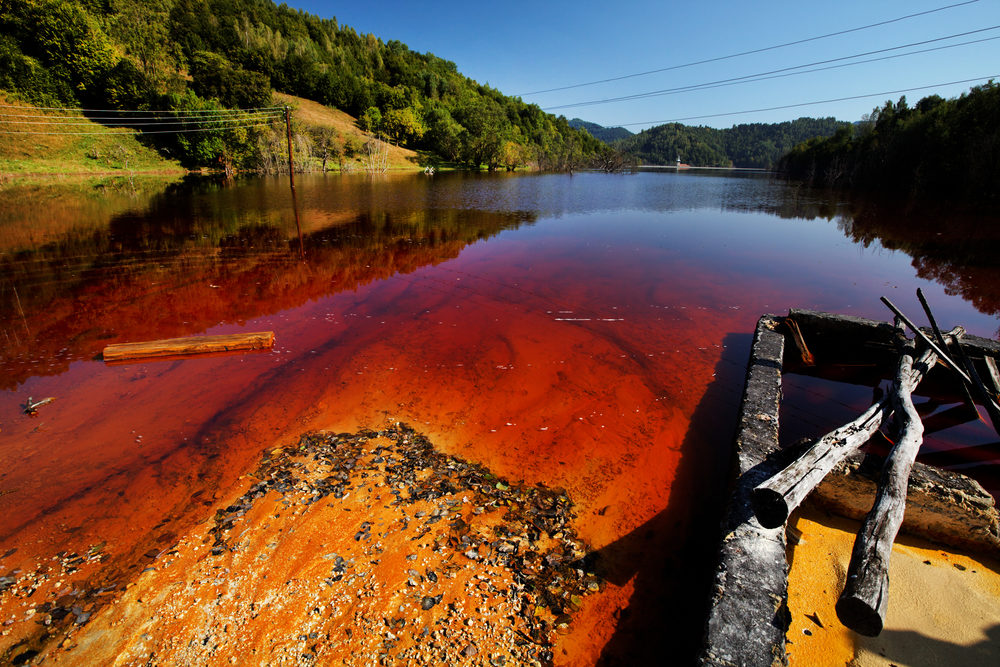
<point>750,145</point>
<point>606,134</point>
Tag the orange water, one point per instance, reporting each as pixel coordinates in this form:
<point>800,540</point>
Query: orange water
<point>588,332</point>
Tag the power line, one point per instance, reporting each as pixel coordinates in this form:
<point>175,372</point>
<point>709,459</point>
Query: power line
<point>125,131</point>
<point>751,52</point>
<point>165,119</point>
<point>805,104</point>
<point>141,111</point>
<point>761,75</point>
<point>156,123</point>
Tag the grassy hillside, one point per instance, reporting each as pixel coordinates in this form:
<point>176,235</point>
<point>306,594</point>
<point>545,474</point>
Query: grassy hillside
<point>111,152</point>
<point>121,151</point>
<point>316,125</point>
<point>203,58</point>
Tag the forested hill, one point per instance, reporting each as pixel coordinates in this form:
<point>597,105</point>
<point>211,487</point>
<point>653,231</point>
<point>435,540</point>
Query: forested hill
<point>202,54</point>
<point>937,149</point>
<point>747,145</point>
<point>606,134</point>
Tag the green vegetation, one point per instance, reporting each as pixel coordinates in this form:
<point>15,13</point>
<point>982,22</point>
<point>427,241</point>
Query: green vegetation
<point>100,153</point>
<point>748,145</point>
<point>192,55</point>
<point>945,149</point>
<point>608,135</point>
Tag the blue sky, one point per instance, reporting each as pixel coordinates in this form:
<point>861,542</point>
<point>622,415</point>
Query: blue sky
<point>522,47</point>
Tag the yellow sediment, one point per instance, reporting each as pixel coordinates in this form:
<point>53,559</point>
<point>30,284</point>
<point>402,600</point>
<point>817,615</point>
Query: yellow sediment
<point>944,606</point>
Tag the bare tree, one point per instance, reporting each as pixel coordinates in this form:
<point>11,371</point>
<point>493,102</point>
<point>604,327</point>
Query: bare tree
<point>376,157</point>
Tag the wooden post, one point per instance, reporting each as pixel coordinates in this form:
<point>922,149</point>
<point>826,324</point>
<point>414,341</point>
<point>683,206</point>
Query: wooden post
<point>291,181</point>
<point>863,603</point>
<point>291,163</point>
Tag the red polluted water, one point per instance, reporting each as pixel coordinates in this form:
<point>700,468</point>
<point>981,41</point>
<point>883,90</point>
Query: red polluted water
<point>583,332</point>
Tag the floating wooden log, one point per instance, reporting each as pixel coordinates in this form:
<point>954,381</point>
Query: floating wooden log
<point>193,345</point>
<point>774,499</point>
<point>865,598</point>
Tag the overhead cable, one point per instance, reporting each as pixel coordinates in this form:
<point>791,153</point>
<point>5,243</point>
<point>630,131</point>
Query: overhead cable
<point>144,122</point>
<point>141,111</point>
<point>207,119</point>
<point>762,75</point>
<point>805,104</point>
<point>751,52</point>
<point>124,130</point>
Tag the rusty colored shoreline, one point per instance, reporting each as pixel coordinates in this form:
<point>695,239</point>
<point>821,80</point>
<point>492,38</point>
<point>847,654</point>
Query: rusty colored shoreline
<point>363,548</point>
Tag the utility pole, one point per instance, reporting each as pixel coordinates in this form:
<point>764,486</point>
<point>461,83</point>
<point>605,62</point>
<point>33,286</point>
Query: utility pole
<point>291,181</point>
<point>291,163</point>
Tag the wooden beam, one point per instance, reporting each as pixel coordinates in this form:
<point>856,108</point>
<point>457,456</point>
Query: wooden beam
<point>193,345</point>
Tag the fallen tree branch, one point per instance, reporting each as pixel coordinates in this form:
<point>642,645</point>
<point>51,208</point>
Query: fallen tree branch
<point>865,598</point>
<point>991,405</point>
<point>976,385</point>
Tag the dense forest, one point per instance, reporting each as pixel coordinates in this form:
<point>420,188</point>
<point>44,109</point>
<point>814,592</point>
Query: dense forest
<point>945,149</point>
<point>606,134</point>
<point>195,55</point>
<point>747,145</point>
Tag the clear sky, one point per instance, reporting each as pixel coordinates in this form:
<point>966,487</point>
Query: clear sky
<point>522,46</point>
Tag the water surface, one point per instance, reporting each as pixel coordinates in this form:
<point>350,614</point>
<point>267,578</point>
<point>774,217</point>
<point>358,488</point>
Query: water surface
<point>586,331</point>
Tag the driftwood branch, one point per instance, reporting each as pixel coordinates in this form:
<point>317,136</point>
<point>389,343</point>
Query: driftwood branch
<point>993,373</point>
<point>863,603</point>
<point>989,402</point>
<point>977,385</point>
<point>776,498</point>
<point>188,346</point>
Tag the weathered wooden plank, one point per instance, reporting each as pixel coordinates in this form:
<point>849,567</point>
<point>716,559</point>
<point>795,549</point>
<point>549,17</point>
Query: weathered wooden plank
<point>192,345</point>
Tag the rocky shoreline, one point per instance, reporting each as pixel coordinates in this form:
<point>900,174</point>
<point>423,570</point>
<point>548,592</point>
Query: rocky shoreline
<point>352,548</point>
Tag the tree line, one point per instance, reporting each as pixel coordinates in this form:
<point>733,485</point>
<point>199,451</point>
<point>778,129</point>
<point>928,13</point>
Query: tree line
<point>193,55</point>
<point>749,145</point>
<point>938,148</point>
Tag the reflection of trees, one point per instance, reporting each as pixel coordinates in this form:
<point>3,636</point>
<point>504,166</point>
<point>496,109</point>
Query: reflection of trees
<point>190,263</point>
<point>958,251</point>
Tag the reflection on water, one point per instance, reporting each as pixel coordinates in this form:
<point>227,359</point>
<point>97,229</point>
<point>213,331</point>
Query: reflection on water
<point>584,331</point>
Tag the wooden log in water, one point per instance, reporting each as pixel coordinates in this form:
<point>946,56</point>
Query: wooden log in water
<point>193,345</point>
<point>865,598</point>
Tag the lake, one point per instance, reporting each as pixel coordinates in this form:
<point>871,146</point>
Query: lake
<point>585,331</point>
